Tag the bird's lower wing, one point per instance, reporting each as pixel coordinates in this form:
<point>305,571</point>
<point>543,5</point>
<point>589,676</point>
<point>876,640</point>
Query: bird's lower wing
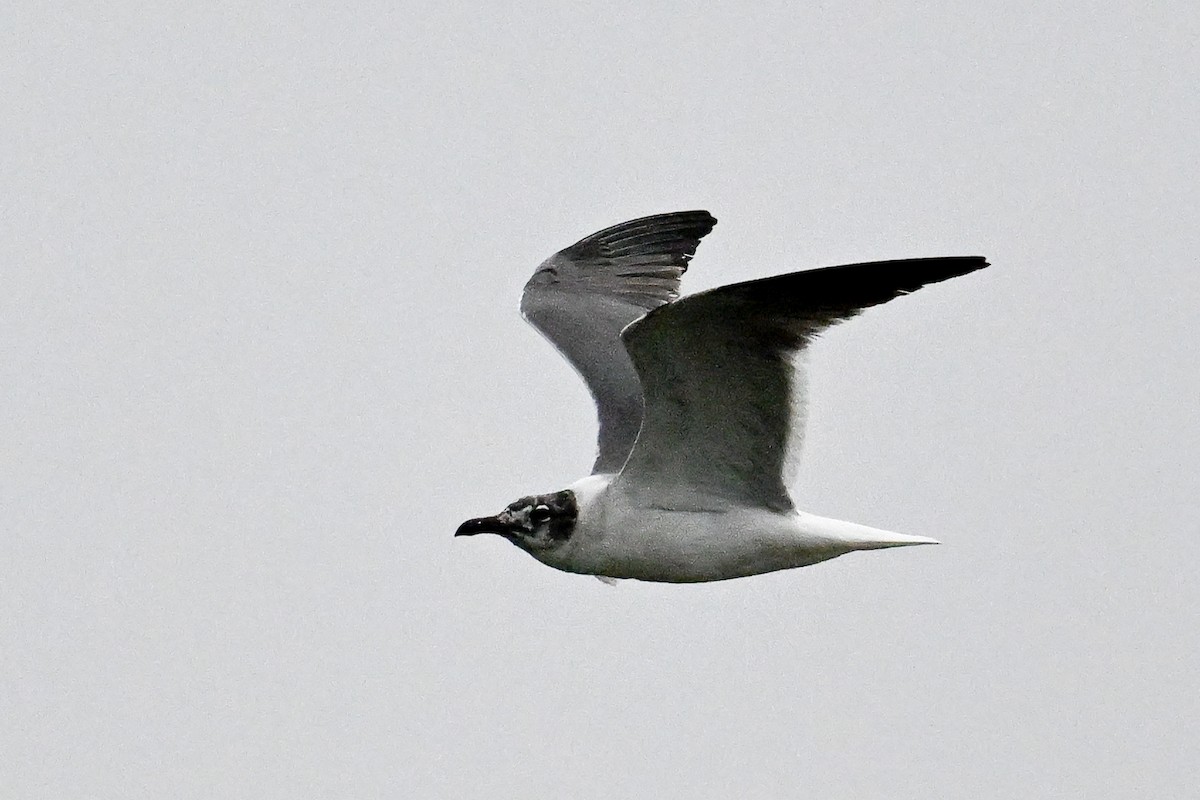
<point>724,398</point>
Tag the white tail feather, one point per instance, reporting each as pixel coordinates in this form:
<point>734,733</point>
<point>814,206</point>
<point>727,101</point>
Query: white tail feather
<point>853,536</point>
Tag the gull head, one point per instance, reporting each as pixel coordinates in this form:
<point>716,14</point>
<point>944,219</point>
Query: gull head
<point>536,523</point>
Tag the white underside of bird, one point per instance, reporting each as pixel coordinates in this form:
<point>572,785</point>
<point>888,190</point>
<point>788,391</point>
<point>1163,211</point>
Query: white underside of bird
<point>701,403</point>
<point>616,538</point>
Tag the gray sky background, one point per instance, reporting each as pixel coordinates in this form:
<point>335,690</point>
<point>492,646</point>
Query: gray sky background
<point>261,353</point>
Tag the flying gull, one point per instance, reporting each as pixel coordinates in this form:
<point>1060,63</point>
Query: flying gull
<point>701,403</point>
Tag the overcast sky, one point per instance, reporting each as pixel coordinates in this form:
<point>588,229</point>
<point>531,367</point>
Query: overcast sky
<point>260,354</point>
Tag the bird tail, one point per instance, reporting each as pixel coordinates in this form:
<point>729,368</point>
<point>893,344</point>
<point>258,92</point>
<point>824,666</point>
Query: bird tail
<point>852,536</point>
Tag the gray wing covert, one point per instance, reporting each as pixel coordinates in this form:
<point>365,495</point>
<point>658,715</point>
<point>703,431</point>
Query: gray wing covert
<point>583,296</point>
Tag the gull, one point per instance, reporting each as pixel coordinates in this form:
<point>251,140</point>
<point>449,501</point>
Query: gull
<point>701,403</point>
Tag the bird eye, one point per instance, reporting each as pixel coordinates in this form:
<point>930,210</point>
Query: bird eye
<point>540,513</point>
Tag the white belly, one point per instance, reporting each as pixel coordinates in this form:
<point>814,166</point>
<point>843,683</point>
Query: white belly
<point>691,546</point>
<point>617,539</point>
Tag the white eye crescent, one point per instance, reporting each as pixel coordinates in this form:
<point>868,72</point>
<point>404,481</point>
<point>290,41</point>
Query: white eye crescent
<point>540,513</point>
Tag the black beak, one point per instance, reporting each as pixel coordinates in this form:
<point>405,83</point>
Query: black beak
<point>482,525</point>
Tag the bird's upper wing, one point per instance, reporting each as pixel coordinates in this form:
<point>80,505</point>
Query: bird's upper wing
<point>724,408</point>
<point>582,297</point>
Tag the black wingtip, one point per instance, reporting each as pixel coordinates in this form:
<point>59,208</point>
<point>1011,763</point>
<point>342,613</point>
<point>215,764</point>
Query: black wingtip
<point>842,291</point>
<point>697,223</point>
<point>670,239</point>
<point>947,267</point>
<point>696,216</point>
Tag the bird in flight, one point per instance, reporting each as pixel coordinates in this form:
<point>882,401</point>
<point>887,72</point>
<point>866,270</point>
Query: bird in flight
<point>701,403</point>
